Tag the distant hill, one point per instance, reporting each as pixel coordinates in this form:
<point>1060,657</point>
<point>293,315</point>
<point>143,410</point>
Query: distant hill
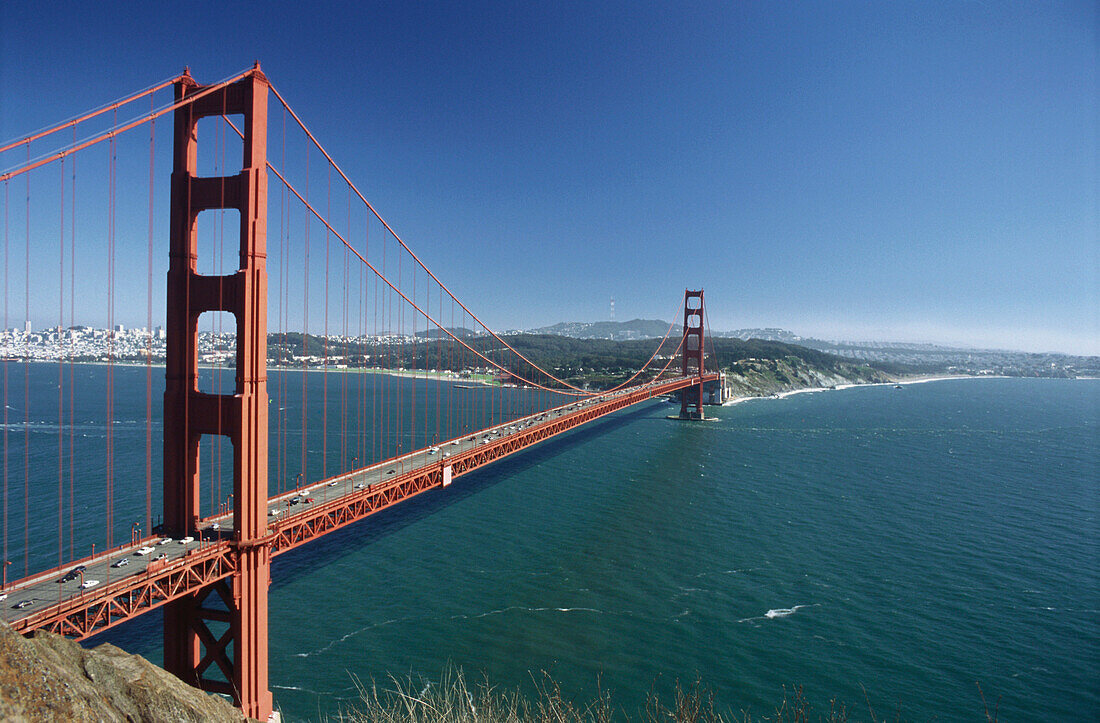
<point>611,330</point>
<point>769,334</point>
<point>459,331</point>
<point>654,329</point>
<point>893,357</point>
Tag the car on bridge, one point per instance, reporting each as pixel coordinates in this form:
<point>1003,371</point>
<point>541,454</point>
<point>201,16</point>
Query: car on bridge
<point>72,574</point>
<point>121,562</point>
<point>145,551</point>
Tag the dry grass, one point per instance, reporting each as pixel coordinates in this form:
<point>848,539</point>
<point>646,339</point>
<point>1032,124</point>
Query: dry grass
<point>454,700</point>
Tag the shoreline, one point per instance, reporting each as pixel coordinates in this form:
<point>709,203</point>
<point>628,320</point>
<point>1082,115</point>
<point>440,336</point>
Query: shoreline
<point>904,381</point>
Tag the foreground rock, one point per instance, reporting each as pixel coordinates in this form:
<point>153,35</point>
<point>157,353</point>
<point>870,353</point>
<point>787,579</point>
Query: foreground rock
<point>49,677</point>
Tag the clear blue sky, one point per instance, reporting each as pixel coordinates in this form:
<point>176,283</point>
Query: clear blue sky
<point>899,170</point>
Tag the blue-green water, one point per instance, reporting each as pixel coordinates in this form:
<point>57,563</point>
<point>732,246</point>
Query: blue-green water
<point>913,543</point>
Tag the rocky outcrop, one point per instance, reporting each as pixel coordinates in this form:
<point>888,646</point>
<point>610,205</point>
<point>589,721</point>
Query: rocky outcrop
<point>761,377</point>
<point>50,678</point>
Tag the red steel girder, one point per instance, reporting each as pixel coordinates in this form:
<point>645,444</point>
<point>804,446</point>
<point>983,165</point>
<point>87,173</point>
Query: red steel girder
<point>103,607</point>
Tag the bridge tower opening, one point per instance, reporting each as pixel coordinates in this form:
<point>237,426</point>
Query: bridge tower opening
<point>191,648</point>
<point>691,398</point>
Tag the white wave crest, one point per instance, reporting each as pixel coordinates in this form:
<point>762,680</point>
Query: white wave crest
<point>782,612</point>
<point>777,613</point>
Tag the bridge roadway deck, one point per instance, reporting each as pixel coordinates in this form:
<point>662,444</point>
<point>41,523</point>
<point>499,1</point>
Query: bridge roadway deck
<point>144,582</point>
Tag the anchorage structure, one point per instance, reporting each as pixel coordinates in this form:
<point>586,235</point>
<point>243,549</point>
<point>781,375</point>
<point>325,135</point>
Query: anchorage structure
<point>691,398</point>
<point>190,647</point>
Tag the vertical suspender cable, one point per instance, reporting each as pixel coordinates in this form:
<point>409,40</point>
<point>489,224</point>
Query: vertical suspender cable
<point>281,465</point>
<point>402,364</point>
<point>439,380</point>
<point>364,362</point>
<point>112,167</point>
<point>4,562</point>
<point>61,381</point>
<point>149,343</point>
<point>376,410</point>
<point>324,359</point>
<point>412,382</point>
<point>27,387</point>
<point>344,370</point>
<point>305,325</point>
<point>72,364</point>
<point>384,408</point>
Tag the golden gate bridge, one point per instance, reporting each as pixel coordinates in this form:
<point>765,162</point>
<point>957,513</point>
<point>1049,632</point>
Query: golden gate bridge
<point>87,207</point>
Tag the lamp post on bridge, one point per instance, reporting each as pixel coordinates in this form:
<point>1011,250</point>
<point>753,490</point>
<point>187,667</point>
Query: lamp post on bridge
<point>5,583</point>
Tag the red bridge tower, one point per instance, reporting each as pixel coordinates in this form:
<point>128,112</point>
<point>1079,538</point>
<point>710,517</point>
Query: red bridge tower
<point>692,355</point>
<point>190,647</point>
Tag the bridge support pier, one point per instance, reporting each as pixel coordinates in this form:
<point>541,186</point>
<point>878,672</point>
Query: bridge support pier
<point>239,655</point>
<point>691,398</point>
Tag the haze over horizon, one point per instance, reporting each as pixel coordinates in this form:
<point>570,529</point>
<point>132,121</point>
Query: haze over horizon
<point>907,171</point>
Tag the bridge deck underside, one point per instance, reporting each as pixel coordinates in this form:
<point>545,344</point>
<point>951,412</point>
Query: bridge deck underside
<point>198,564</point>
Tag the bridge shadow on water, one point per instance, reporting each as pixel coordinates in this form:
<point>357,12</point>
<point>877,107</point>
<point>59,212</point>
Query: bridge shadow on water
<point>143,635</point>
<point>365,532</point>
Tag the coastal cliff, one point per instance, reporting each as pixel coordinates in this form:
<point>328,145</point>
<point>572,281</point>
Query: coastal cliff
<point>48,677</point>
<point>763,377</point>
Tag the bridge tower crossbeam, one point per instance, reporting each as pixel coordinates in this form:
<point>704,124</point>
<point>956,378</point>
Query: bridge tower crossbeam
<point>240,651</point>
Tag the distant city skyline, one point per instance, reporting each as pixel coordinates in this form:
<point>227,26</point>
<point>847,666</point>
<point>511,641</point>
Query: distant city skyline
<point>910,171</point>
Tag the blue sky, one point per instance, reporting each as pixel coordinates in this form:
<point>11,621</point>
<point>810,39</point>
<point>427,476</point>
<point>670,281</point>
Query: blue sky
<point>905,170</point>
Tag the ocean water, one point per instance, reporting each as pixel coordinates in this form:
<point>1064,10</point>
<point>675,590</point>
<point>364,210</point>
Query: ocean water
<point>890,549</point>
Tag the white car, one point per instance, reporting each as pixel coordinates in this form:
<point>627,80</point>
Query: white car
<point>333,484</point>
<point>165,541</point>
<point>145,550</point>
<point>186,540</point>
<point>122,562</point>
<point>88,583</point>
<point>360,486</point>
<point>274,513</point>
